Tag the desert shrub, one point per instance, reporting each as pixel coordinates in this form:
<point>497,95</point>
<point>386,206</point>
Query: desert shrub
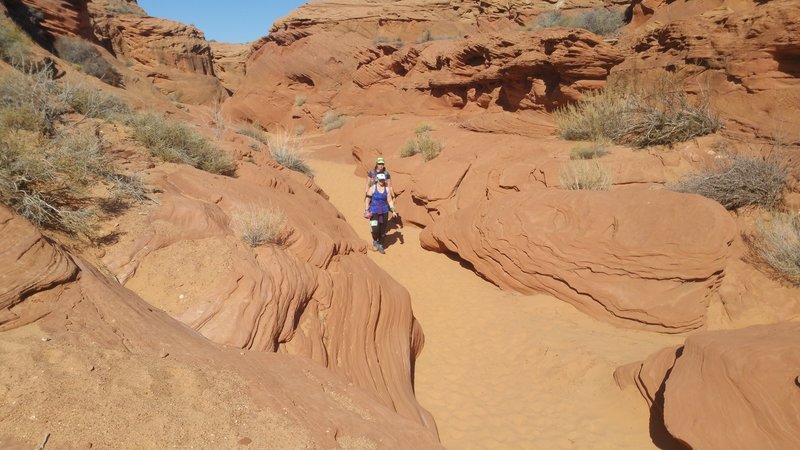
<point>738,181</point>
<point>424,144</point>
<point>592,151</point>
<point>46,182</point>
<point>176,142</point>
<point>32,95</point>
<point>425,37</point>
<point>94,103</point>
<point>626,112</point>
<point>299,100</point>
<point>255,132</point>
<point>423,128</point>
<point>598,20</point>
<point>124,7</point>
<point>89,59</point>
<point>585,175</point>
<point>287,150</point>
<point>333,120</point>
<point>777,241</point>
<point>261,226</point>
<point>14,43</point>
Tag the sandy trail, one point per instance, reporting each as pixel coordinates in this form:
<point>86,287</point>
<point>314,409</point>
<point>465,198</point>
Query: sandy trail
<point>503,370</point>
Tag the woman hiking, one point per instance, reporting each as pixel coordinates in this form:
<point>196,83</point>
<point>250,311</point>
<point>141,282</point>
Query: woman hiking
<point>372,175</point>
<point>378,203</point>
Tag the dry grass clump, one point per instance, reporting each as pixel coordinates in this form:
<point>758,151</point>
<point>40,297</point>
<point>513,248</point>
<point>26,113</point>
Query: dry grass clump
<point>94,103</point>
<point>287,150</point>
<point>261,226</point>
<point>738,181</point>
<point>255,132</point>
<point>592,151</point>
<point>585,175</point>
<point>777,241</point>
<point>299,100</point>
<point>90,60</point>
<point>424,144</point>
<point>14,43</point>
<point>31,99</point>
<point>176,142</point>
<point>423,128</point>
<point>627,112</point>
<point>598,20</point>
<point>333,120</point>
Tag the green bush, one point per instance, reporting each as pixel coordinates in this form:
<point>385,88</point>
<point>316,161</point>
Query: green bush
<point>287,150</point>
<point>627,112</point>
<point>598,20</point>
<point>738,181</point>
<point>423,144</point>
<point>176,142</point>
<point>778,243</point>
<point>585,175</point>
<point>90,60</point>
<point>333,120</point>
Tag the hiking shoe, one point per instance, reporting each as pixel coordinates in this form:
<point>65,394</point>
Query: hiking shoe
<point>380,249</point>
<point>375,246</point>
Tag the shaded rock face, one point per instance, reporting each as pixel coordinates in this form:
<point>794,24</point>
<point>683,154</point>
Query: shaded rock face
<point>726,389</point>
<point>622,257</point>
<point>97,334</point>
<point>53,17</point>
<point>743,54</point>
<point>229,63</point>
<point>513,71</point>
<point>316,295</point>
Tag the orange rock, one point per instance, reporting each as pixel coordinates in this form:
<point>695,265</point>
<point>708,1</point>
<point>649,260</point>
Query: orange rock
<point>618,256</point>
<point>726,389</point>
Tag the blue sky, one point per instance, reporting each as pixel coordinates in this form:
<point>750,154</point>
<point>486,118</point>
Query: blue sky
<point>229,21</point>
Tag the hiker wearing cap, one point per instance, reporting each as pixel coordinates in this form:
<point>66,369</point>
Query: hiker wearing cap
<point>377,205</point>
<point>380,167</point>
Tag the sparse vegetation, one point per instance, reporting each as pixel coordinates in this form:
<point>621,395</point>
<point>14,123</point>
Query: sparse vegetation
<point>261,226</point>
<point>425,37</point>
<point>287,150</point>
<point>94,103</point>
<point>739,181</point>
<point>124,7</point>
<point>256,132</point>
<point>176,142</point>
<point>594,150</point>
<point>585,175</point>
<point>424,144</point>
<point>423,128</point>
<point>88,59</point>
<point>777,241</point>
<point>627,112</point>
<point>333,120</point>
<point>599,21</point>
<point>14,43</point>
<point>299,100</point>
<point>397,42</point>
<point>31,99</point>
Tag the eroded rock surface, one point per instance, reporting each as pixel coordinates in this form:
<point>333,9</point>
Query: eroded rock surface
<point>107,357</point>
<point>726,389</point>
<point>620,257</point>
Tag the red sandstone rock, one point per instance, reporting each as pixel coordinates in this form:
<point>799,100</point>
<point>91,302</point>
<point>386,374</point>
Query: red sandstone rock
<point>619,256</point>
<point>85,316</point>
<point>727,389</point>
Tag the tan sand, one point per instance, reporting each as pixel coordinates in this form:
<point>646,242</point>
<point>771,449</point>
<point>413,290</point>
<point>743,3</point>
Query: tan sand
<point>502,370</point>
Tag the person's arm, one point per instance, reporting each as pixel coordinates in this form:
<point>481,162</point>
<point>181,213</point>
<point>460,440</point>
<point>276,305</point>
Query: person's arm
<point>369,183</point>
<point>368,197</point>
<point>390,198</point>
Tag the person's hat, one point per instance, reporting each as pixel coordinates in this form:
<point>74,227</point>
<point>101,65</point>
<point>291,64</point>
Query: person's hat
<point>381,176</point>
<point>379,161</point>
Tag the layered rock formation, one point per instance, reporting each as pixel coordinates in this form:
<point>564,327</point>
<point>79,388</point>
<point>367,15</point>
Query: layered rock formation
<point>105,356</point>
<point>726,389</point>
<point>617,256</point>
<point>316,295</point>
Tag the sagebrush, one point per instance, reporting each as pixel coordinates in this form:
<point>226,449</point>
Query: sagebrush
<point>778,242</point>
<point>738,181</point>
<point>333,120</point>
<point>88,58</point>
<point>177,142</point>
<point>585,175</point>
<point>598,20</point>
<point>423,144</point>
<point>641,114</point>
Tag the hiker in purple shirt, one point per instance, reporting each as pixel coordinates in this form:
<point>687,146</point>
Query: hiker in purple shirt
<point>378,203</point>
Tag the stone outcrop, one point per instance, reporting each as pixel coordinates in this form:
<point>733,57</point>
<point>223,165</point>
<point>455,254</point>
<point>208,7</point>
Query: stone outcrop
<point>618,256</point>
<point>126,360</point>
<point>316,294</point>
<point>229,63</point>
<point>726,389</point>
<point>742,54</point>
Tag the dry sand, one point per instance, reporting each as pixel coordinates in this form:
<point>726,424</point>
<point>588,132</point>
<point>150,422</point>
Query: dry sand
<point>502,370</point>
